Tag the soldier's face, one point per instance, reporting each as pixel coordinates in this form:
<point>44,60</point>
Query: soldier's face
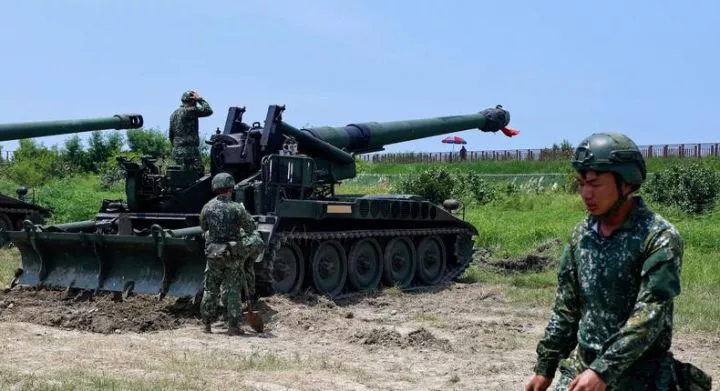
<point>598,191</point>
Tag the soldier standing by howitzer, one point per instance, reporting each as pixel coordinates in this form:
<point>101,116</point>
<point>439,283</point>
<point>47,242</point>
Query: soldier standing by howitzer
<point>225,222</point>
<point>184,134</point>
<point>611,325</point>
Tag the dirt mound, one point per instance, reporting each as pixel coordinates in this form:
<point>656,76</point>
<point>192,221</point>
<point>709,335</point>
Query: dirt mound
<point>423,338</point>
<point>98,314</point>
<point>420,338</point>
<point>378,336</point>
<point>536,261</point>
<point>528,263</point>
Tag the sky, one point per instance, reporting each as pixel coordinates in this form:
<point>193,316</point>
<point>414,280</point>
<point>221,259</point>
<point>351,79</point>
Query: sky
<point>564,69</point>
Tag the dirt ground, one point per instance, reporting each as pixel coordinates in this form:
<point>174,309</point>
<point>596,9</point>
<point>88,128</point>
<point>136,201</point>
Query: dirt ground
<point>465,337</point>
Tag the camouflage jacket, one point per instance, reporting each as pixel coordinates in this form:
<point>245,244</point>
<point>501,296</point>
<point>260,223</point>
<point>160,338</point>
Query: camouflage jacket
<point>184,124</point>
<point>614,298</point>
<point>225,220</point>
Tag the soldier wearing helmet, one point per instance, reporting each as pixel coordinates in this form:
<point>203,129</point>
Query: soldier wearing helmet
<point>184,134</point>
<point>611,324</point>
<point>225,223</point>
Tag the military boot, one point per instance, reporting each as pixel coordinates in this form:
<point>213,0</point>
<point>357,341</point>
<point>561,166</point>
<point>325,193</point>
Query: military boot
<point>234,328</point>
<point>206,327</point>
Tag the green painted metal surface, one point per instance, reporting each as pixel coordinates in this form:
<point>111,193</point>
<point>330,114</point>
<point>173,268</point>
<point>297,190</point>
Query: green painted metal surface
<point>23,130</point>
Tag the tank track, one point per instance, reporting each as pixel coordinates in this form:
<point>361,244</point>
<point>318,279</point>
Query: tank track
<point>462,250</point>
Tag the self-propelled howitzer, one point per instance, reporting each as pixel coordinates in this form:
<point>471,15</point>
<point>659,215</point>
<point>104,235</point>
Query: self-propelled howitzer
<point>13,211</point>
<point>286,177</point>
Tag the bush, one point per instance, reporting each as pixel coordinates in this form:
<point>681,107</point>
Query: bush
<point>476,187</point>
<point>691,187</point>
<point>436,184</point>
<point>570,184</point>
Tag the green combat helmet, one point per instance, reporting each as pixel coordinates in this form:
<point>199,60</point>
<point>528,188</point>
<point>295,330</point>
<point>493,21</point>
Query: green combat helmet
<point>613,152</point>
<point>222,182</point>
<point>187,97</point>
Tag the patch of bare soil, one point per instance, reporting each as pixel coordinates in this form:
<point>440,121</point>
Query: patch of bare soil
<point>465,337</point>
<point>535,261</point>
<point>383,336</point>
<point>95,313</point>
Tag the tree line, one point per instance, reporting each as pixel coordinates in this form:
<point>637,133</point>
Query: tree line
<point>34,164</point>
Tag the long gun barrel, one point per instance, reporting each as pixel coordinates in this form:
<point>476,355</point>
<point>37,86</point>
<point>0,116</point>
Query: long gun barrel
<point>22,130</point>
<point>372,136</point>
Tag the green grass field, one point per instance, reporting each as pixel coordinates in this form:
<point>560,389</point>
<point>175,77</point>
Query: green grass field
<point>508,166</point>
<point>515,227</point>
<point>511,226</point>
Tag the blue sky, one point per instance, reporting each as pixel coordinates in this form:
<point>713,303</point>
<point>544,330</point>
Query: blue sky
<point>564,69</point>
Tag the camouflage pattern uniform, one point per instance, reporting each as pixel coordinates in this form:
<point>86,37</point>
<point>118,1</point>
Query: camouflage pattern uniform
<point>184,131</point>
<point>224,222</point>
<point>253,244</point>
<point>613,310</point>
<point>614,307</point>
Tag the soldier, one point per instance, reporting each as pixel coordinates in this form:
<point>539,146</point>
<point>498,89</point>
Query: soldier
<point>224,222</point>
<point>184,134</point>
<point>611,324</point>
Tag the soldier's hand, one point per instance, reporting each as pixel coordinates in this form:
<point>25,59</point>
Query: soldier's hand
<point>538,383</point>
<point>588,380</point>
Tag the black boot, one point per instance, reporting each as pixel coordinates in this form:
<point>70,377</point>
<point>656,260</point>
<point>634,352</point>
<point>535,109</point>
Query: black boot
<point>234,329</point>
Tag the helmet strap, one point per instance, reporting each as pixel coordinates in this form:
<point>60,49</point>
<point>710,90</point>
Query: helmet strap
<point>622,198</point>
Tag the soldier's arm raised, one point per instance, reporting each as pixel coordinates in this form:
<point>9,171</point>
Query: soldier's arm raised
<point>660,284</point>
<point>202,109</point>
<point>561,332</point>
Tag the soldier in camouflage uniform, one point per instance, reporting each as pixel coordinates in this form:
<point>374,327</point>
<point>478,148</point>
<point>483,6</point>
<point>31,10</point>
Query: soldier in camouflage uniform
<point>224,222</point>
<point>184,134</point>
<point>611,324</point>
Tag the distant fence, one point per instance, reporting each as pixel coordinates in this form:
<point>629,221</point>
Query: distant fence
<point>649,151</point>
<point>373,179</point>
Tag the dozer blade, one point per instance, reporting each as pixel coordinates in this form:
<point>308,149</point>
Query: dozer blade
<point>153,264</point>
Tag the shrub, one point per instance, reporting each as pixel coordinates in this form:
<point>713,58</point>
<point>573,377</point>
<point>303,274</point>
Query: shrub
<point>511,188</point>
<point>570,183</point>
<point>477,188</point>
<point>691,187</point>
<point>436,184</point>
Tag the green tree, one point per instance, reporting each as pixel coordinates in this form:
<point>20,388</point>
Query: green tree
<point>74,155</point>
<point>35,164</point>
<point>149,142</point>
<point>102,147</point>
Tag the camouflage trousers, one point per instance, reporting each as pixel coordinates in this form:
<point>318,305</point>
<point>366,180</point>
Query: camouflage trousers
<point>252,247</point>
<point>189,159</point>
<point>248,268</point>
<point>652,374</point>
<point>228,272</point>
